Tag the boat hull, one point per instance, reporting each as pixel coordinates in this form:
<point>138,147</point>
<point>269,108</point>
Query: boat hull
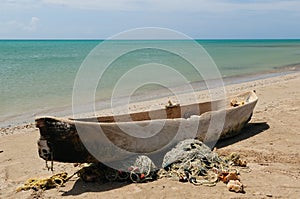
<point>108,139</point>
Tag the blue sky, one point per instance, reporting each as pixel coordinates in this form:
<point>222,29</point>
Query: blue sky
<point>99,19</point>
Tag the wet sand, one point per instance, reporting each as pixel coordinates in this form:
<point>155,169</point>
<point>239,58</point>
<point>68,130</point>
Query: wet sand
<point>270,144</point>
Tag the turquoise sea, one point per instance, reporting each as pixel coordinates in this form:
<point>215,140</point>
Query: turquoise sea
<point>37,76</point>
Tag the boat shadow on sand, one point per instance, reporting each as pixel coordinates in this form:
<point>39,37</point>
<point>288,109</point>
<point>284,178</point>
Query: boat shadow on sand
<point>80,187</point>
<point>250,130</point>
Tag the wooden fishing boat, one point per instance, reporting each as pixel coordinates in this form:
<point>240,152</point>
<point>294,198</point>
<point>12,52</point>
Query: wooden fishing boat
<point>111,138</point>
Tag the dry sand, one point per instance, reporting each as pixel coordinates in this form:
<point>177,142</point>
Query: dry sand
<point>270,144</point>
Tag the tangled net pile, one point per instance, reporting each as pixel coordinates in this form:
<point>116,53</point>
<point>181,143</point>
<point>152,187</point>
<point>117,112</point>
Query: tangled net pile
<point>190,161</point>
<point>141,170</point>
<point>194,162</point>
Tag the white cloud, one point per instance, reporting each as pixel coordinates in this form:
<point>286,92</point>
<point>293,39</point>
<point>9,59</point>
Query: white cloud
<point>162,5</point>
<point>17,26</point>
<point>95,4</point>
<point>13,4</point>
<point>32,26</point>
<point>268,5</point>
<point>179,5</point>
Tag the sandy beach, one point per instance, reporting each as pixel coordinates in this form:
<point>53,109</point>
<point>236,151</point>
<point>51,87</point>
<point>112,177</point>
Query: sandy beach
<point>270,144</point>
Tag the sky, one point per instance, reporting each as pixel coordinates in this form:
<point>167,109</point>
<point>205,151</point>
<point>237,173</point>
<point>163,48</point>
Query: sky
<point>101,19</point>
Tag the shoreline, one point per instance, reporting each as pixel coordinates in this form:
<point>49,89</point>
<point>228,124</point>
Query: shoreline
<point>25,119</point>
<point>232,87</point>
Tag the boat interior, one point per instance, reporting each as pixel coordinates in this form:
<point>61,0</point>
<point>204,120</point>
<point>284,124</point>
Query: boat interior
<point>173,111</point>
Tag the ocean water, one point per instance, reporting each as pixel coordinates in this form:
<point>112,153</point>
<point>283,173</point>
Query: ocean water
<point>37,76</point>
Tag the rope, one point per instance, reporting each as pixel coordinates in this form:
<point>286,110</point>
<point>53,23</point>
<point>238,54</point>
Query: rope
<point>56,180</point>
